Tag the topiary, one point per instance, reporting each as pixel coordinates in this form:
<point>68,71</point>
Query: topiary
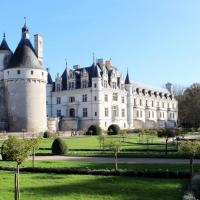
<point>46,134</point>
<point>59,147</point>
<point>94,130</point>
<point>113,129</point>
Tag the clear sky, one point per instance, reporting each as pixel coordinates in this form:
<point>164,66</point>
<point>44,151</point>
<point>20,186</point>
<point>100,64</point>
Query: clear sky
<point>157,40</point>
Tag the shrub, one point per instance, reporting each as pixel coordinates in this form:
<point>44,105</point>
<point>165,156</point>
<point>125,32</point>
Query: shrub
<point>195,186</point>
<point>113,129</point>
<point>4,153</point>
<point>189,196</point>
<point>46,134</point>
<point>59,147</point>
<point>94,130</point>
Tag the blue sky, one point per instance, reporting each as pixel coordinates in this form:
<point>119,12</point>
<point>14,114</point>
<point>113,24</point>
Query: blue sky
<point>158,41</point>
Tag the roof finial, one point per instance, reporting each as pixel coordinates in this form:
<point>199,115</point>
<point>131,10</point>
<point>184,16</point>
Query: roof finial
<point>24,20</point>
<point>93,58</point>
<point>4,35</point>
<point>66,62</point>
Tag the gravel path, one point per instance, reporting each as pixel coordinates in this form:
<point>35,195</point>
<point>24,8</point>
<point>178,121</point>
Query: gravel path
<point>120,160</point>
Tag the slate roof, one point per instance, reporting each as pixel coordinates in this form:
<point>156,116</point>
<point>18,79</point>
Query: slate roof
<point>127,80</point>
<point>4,46</point>
<point>24,56</point>
<point>49,79</point>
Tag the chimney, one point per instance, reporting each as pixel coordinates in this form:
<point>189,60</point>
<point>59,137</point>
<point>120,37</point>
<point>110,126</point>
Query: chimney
<point>170,87</point>
<point>38,43</point>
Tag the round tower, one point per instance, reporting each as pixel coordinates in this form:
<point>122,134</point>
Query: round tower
<point>25,83</point>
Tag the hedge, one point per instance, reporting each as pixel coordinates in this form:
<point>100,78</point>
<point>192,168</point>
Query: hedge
<point>106,172</point>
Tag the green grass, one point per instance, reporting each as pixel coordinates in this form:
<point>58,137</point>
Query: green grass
<point>91,165</point>
<point>86,187</point>
<point>132,146</point>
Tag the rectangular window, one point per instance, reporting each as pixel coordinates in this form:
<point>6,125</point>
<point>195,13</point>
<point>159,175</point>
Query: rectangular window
<point>84,112</point>
<point>58,100</point>
<point>84,97</point>
<point>122,99</point>
<point>71,99</point>
<point>115,97</point>
<point>95,85</point>
<point>123,112</point>
<point>84,84</point>
<point>163,104</point>
<point>95,114</point>
<point>106,98</point>
<point>58,113</point>
<point>18,72</point>
<point>31,72</point>
<point>106,112</point>
<point>146,103</point>
<point>95,98</point>
<point>134,102</point>
<point>105,83</point>
<point>137,113</point>
<point>152,104</point>
<point>140,102</point>
<point>115,111</point>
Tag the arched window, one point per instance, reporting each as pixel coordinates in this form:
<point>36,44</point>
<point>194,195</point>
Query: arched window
<point>72,112</point>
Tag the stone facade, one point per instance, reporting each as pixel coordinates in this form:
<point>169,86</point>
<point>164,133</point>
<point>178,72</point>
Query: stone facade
<point>98,94</point>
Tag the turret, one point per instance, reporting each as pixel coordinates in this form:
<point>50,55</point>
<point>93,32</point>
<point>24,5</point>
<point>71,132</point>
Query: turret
<point>25,83</point>
<point>5,53</point>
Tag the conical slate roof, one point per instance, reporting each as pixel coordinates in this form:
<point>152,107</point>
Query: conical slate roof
<point>24,56</point>
<point>4,46</point>
<point>127,80</point>
<point>49,79</point>
<point>96,71</point>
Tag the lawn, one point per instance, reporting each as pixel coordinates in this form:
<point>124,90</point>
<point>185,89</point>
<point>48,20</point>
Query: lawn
<point>81,187</point>
<point>132,146</point>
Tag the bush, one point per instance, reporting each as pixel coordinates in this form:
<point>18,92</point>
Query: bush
<point>189,196</point>
<point>113,129</point>
<point>46,134</point>
<point>4,153</point>
<point>59,147</point>
<point>94,130</point>
<point>195,186</point>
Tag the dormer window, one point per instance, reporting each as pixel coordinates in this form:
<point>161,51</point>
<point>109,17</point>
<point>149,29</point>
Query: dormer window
<point>31,72</point>
<point>58,87</point>
<point>84,84</point>
<point>18,72</point>
<point>71,85</point>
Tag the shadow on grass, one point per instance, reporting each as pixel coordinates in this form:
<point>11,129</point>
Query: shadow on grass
<point>118,187</point>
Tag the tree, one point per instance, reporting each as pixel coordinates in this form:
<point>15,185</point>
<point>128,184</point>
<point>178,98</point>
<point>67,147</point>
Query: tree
<point>167,134</point>
<point>115,147</point>
<point>190,148</point>
<point>189,106</point>
<point>34,142</point>
<point>17,150</point>
<point>102,139</point>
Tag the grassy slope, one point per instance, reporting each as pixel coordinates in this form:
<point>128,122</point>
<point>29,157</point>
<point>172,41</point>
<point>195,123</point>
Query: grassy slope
<point>72,187</point>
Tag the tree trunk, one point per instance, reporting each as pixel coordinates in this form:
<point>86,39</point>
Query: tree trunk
<point>116,167</point>
<point>166,146</point>
<point>33,158</point>
<point>18,191</point>
<point>191,167</point>
<point>15,186</point>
